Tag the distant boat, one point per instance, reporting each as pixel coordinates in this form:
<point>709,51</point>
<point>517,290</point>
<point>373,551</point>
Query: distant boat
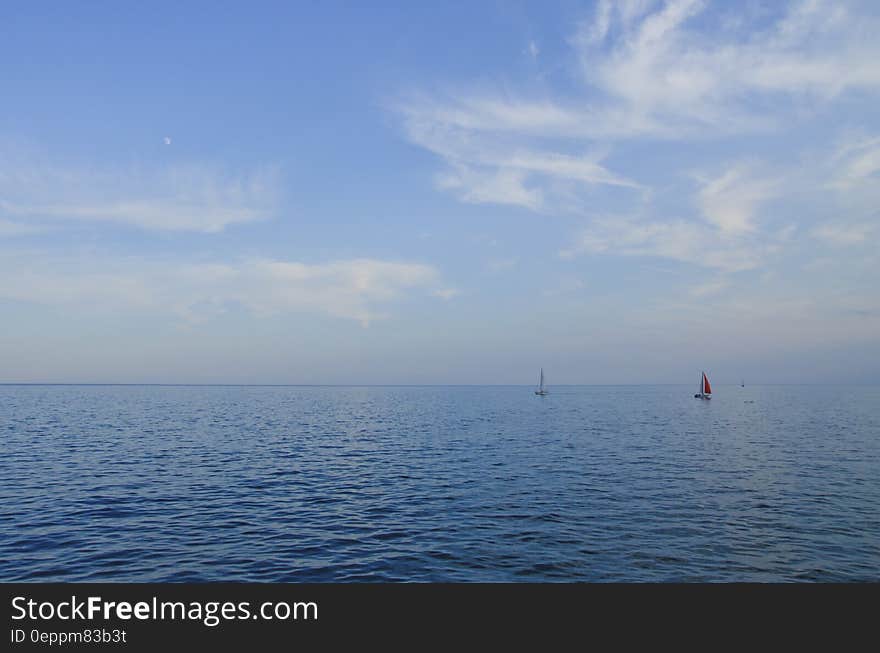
<point>541,391</point>
<point>705,389</point>
<point>743,384</point>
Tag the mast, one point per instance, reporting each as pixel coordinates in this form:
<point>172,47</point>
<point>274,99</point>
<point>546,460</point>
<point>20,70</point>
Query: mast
<point>542,379</point>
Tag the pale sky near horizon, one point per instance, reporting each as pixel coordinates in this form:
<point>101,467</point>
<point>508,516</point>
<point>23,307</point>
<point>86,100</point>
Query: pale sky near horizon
<point>268,192</point>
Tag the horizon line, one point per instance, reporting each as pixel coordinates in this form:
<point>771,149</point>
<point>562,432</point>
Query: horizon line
<point>396,385</point>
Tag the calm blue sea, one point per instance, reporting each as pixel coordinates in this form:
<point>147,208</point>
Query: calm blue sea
<point>207,483</point>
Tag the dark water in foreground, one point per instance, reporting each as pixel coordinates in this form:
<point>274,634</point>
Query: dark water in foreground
<point>151,483</point>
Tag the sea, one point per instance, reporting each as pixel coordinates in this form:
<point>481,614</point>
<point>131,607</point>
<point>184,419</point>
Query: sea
<point>439,484</point>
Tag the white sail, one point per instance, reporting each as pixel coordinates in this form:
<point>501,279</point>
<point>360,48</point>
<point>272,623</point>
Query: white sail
<point>540,390</point>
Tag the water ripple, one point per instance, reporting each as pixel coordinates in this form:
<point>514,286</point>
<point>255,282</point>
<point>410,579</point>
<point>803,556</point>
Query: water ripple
<point>148,483</point>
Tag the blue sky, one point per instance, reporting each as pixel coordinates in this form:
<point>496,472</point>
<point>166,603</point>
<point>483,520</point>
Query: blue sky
<point>621,192</point>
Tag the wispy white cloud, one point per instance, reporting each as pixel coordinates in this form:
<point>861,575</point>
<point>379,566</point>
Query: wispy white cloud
<point>856,163</point>
<point>533,50</point>
<point>661,67</point>
<point>723,235</point>
<point>659,70</point>
<point>850,179</point>
<point>192,197</point>
<point>647,71</point>
<point>679,240</point>
<point>730,200</point>
<point>355,289</point>
<point>486,169</point>
<point>499,186</point>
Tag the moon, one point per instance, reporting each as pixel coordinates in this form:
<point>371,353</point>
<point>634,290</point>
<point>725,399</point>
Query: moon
<point>167,140</point>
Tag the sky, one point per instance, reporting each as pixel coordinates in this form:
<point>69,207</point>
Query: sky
<point>433,193</point>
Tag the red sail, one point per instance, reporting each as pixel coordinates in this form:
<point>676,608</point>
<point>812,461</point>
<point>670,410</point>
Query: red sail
<point>707,389</point>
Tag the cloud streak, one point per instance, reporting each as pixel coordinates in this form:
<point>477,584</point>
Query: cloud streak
<point>724,235</point>
<point>679,240</point>
<point>355,289</point>
<point>658,71</point>
<point>195,197</point>
<point>482,168</point>
<point>669,77</point>
<point>730,201</point>
<point>645,71</point>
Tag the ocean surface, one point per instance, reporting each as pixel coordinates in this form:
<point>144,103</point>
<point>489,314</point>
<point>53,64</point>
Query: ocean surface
<point>590,483</point>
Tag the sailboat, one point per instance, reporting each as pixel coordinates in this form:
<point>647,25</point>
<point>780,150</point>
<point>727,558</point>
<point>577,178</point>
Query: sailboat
<point>540,390</point>
<point>705,389</point>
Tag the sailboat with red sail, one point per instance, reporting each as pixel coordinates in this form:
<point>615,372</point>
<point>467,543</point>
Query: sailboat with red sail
<point>705,389</point>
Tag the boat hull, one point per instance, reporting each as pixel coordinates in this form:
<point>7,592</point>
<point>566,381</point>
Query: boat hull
<point>699,396</point>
